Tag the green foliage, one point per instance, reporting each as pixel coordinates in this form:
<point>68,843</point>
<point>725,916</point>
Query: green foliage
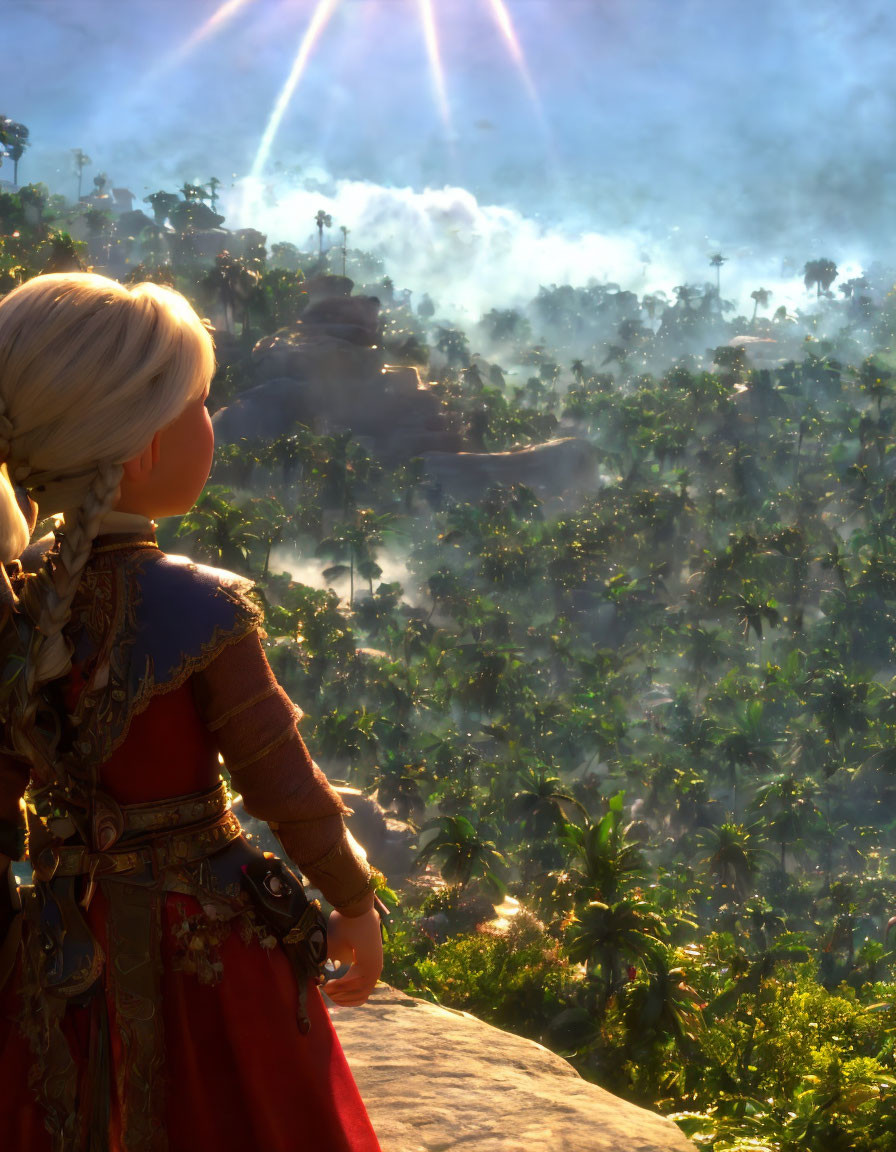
<point>513,979</point>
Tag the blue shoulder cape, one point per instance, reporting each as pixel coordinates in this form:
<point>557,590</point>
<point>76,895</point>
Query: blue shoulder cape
<point>142,623</point>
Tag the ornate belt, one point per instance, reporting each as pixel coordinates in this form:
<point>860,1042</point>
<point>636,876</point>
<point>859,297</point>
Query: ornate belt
<point>162,815</point>
<point>183,830</point>
<point>167,850</point>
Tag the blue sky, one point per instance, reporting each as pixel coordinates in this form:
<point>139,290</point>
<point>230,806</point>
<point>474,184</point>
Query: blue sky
<point>695,124</point>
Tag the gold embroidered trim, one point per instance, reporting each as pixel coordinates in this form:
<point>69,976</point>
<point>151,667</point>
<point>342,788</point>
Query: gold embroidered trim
<point>121,547</point>
<point>238,708</point>
<point>287,734</point>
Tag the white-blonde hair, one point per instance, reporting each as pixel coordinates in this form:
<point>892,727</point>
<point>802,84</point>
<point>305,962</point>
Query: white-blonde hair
<point>89,372</point>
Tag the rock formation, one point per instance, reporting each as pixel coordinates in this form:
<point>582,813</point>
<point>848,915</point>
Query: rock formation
<point>327,371</point>
<point>558,466</point>
<point>339,382</point>
<point>436,1080</point>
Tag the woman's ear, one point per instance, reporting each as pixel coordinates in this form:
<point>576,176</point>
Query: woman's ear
<point>139,467</point>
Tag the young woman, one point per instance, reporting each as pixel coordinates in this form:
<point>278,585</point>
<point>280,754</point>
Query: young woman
<point>158,980</point>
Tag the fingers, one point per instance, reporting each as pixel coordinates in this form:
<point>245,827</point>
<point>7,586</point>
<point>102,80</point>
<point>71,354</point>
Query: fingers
<point>352,989</point>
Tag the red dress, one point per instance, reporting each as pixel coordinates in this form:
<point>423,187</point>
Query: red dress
<point>216,1051</point>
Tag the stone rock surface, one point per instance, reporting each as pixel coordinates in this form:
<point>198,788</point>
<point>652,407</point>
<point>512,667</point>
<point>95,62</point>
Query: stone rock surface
<point>327,371</point>
<point>265,411</point>
<point>558,466</point>
<point>436,1080</point>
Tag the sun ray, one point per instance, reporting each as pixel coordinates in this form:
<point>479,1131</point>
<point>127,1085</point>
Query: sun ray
<point>221,16</point>
<point>430,33</point>
<point>320,17</point>
<point>505,25</point>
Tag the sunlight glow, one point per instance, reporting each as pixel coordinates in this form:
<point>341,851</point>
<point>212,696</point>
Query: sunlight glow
<point>217,20</point>
<point>427,17</point>
<point>505,24</point>
<point>319,20</point>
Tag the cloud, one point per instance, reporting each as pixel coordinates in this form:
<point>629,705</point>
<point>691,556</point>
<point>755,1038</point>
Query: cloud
<point>472,256</point>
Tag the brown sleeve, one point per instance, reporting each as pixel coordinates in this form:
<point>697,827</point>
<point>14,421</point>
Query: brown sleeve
<point>254,724</point>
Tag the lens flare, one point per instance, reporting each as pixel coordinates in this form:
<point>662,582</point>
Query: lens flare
<point>505,25</point>
<point>430,33</point>
<point>221,16</point>
<point>319,20</point>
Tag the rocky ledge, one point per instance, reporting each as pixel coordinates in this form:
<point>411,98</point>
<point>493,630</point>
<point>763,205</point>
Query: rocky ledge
<point>436,1080</point>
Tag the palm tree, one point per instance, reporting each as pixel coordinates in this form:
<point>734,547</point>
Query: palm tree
<point>577,367</point>
<point>34,198</point>
<point>747,740</point>
<point>716,261</point>
<point>464,853</point>
<point>732,856</point>
<point>602,935</point>
<point>355,541</point>
<point>760,298</point>
<point>662,1006</point>
<point>235,284</point>
<point>399,789</point>
<point>13,141</point>
<point>63,253</point>
<point>268,521</point>
<point>821,273</point>
<point>539,804</point>
<point>81,160</point>
<point>602,855</point>
<point>213,185</point>
<point>344,231</point>
<point>453,343</point>
<point>322,220</point>
<point>219,530</point>
<point>754,608</point>
<point>99,226</point>
<point>788,809</point>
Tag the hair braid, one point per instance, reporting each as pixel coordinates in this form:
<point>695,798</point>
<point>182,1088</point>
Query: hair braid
<point>81,526</point>
<point>48,601</point>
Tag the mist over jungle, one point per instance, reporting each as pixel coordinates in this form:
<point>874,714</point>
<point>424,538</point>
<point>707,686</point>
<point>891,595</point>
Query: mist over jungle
<point>555,409</point>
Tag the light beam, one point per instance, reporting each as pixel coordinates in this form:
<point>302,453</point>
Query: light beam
<point>430,35</point>
<point>221,16</point>
<point>505,25</point>
<point>319,20</point>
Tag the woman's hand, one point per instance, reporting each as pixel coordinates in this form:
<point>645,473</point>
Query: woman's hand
<point>354,940</point>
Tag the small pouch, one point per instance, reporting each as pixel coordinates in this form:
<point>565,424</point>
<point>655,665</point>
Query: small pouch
<point>279,901</point>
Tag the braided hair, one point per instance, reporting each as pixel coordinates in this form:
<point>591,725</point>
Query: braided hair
<point>89,372</point>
